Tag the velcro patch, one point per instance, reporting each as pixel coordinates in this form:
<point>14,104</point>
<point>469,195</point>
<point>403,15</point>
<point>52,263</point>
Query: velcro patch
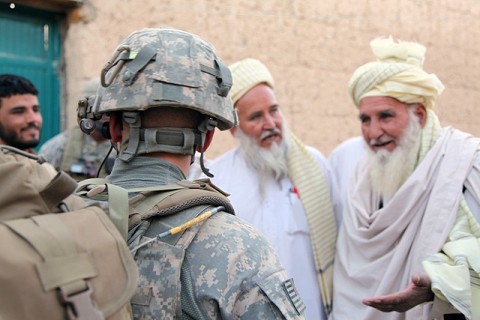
<point>142,296</point>
<point>292,293</point>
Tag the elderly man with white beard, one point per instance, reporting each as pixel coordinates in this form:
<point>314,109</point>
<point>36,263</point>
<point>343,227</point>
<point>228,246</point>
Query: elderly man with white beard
<point>281,187</point>
<point>408,247</point>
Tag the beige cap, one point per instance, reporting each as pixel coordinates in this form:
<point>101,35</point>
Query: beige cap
<point>246,74</point>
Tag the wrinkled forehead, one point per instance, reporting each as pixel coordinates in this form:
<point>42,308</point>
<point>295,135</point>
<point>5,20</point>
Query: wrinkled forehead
<point>260,97</point>
<point>379,103</point>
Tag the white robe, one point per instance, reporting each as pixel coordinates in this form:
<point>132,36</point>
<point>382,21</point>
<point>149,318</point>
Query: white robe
<point>281,218</point>
<point>343,159</point>
<point>378,250</point>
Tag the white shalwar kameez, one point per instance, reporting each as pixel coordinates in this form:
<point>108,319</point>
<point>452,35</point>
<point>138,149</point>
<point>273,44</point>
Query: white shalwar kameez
<point>343,160</point>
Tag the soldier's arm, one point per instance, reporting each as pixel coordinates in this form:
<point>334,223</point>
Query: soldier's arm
<point>274,297</point>
<point>237,275</point>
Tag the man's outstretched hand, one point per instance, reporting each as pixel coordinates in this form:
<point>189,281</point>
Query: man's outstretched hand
<point>418,291</point>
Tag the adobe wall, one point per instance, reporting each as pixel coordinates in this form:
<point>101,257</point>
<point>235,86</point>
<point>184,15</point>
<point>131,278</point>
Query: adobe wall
<point>311,47</point>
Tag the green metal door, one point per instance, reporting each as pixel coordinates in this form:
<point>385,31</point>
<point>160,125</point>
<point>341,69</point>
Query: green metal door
<point>30,46</point>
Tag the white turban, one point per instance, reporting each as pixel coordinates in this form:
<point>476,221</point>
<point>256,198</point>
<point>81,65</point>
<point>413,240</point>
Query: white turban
<point>397,73</point>
<point>246,74</point>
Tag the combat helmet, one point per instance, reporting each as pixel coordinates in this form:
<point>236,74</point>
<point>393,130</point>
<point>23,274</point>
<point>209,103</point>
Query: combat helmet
<point>152,68</point>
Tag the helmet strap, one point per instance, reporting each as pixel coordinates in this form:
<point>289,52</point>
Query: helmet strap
<point>208,124</point>
<point>205,170</point>
<point>134,122</point>
<point>169,140</point>
<point>182,141</point>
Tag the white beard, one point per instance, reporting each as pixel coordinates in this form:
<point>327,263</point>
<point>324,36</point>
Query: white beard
<point>269,163</point>
<point>389,170</point>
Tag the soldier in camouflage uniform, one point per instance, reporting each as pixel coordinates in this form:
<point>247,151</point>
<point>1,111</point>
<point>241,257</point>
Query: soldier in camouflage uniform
<point>78,154</point>
<point>165,91</point>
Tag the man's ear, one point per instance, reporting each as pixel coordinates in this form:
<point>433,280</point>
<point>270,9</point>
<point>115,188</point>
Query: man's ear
<point>208,140</point>
<point>421,113</point>
<point>115,127</point>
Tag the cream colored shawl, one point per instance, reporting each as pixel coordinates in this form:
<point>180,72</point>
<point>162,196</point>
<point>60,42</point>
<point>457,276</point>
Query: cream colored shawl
<point>455,271</point>
<point>310,181</point>
<point>378,250</point>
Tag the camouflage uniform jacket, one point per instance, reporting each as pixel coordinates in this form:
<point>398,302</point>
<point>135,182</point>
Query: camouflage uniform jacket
<point>76,153</point>
<point>227,271</point>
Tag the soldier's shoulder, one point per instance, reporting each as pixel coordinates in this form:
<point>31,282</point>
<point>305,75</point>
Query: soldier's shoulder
<point>232,261</point>
<point>54,143</point>
<point>229,225</point>
<point>236,245</point>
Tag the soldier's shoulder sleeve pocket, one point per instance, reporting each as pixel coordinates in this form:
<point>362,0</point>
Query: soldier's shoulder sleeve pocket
<point>284,295</point>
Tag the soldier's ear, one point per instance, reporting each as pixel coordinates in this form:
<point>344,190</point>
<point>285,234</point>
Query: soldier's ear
<point>208,139</point>
<point>115,126</point>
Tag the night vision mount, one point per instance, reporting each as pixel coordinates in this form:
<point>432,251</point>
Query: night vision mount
<point>85,115</point>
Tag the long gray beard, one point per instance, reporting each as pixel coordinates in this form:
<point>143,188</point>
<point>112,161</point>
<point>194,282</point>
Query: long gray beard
<point>388,171</point>
<point>268,163</point>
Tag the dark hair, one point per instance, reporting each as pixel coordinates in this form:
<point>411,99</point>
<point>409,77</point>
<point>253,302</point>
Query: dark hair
<point>12,84</point>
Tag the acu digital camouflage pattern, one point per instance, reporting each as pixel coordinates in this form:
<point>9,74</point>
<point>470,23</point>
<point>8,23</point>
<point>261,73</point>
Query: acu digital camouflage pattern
<point>228,270</point>
<point>77,154</point>
<point>167,67</point>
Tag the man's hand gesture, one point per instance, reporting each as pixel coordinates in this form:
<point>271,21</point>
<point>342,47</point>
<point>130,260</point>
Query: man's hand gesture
<point>417,292</point>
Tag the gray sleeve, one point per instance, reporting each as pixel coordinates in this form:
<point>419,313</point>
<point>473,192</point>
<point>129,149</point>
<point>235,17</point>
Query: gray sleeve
<point>53,149</point>
<point>237,275</point>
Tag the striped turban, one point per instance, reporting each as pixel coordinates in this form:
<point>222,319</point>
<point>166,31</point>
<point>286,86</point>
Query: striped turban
<point>397,73</point>
<point>246,74</point>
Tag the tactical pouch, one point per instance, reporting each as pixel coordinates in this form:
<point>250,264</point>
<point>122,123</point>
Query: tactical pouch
<point>74,265</point>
